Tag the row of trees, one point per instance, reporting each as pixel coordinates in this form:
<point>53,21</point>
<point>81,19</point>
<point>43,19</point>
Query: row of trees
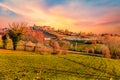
<point>17,32</point>
<point>20,31</point>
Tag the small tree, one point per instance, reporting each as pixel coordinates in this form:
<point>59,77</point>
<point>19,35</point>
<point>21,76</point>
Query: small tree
<point>5,41</point>
<point>56,47</point>
<point>16,32</point>
<point>37,37</point>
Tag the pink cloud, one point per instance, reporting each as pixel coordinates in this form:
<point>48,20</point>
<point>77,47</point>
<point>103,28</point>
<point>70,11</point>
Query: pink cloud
<point>73,15</point>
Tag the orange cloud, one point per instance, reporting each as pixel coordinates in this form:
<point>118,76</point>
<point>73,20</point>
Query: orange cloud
<point>73,16</point>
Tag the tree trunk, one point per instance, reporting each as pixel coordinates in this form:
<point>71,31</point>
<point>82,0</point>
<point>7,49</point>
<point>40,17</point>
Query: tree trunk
<point>14,45</point>
<point>34,49</point>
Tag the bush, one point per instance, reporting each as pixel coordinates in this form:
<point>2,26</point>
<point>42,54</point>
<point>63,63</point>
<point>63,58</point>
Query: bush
<point>105,51</point>
<point>98,51</point>
<point>114,46</point>
<point>91,50</point>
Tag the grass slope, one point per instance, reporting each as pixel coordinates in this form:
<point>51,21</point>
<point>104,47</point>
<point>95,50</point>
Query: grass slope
<point>30,66</point>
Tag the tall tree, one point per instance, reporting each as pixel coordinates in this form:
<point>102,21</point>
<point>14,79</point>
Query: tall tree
<point>16,33</point>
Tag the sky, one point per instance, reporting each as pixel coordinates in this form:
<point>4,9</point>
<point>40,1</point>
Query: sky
<point>97,16</point>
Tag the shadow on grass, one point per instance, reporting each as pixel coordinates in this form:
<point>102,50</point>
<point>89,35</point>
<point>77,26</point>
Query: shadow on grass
<point>91,54</point>
<point>82,53</point>
<point>77,74</point>
<point>53,72</point>
<point>90,67</point>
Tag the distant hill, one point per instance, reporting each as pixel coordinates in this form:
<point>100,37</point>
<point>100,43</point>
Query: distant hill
<point>48,31</point>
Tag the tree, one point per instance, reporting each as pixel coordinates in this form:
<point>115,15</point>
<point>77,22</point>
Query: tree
<point>56,47</point>
<point>27,37</point>
<point>5,40</point>
<point>16,32</point>
<point>37,37</point>
<point>33,36</point>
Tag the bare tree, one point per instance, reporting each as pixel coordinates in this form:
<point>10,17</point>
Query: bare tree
<point>16,32</point>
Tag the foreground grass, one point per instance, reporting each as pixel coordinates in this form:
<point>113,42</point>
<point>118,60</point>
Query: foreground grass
<point>31,66</point>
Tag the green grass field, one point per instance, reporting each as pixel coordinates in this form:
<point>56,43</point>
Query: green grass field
<point>20,65</point>
<point>81,46</point>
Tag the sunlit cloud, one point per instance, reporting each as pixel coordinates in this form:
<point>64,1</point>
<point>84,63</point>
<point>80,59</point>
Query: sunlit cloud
<point>74,15</point>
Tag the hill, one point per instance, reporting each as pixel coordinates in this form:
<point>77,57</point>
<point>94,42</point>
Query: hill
<point>16,65</point>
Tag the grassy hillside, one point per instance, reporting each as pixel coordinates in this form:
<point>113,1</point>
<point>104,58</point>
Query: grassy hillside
<point>16,65</point>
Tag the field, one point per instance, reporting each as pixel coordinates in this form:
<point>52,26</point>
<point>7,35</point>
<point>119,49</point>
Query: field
<point>20,65</point>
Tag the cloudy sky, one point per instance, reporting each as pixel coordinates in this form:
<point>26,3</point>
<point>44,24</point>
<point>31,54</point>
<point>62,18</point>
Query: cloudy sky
<point>98,16</point>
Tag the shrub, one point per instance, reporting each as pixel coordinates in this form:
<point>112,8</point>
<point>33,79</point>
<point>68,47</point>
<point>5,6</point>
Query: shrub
<point>114,46</point>
<point>91,50</point>
<point>105,51</point>
<point>98,51</point>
